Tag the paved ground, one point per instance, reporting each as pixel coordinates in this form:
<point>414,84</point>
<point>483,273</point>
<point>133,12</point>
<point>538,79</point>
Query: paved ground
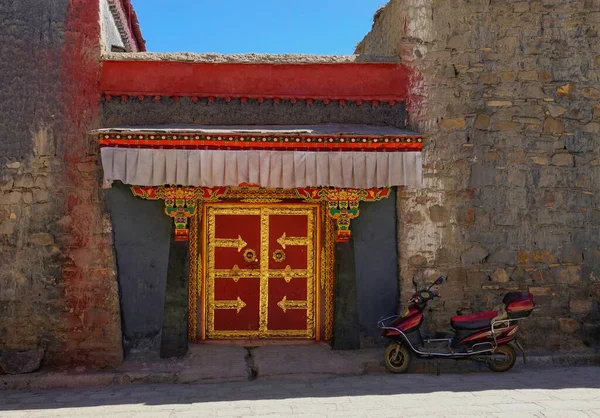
<point>545,393</point>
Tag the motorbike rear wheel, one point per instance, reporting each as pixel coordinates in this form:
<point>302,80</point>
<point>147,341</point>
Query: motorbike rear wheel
<point>510,358</point>
<point>397,358</point>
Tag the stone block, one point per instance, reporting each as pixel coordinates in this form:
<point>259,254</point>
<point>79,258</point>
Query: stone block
<point>14,165</point>
<point>528,75</point>
<point>489,78</point>
<point>590,93</point>
<point>41,238</point>
<point>524,258</point>
<point>569,275</point>
<point>499,103</point>
<point>412,217</point>
<point>417,261</point>
<point>554,125</point>
<point>508,44</point>
<point>439,213</point>
<point>506,125</point>
<point>541,290</point>
<point>597,111</point>
<point>566,89</point>
<point>571,253</point>
<point>502,256</point>
<point>474,255</point>
<point>482,175</point>
<point>568,325</point>
<point>580,306</point>
<point>555,110</point>
<point>7,227</point>
<point>41,195</point>
<point>506,219</point>
<point>545,76</point>
<point>448,71</point>
<point>17,362</point>
<point>466,216</point>
<point>453,123</point>
<point>457,41</point>
<point>540,160</point>
<point>482,121</point>
<point>41,182</point>
<point>592,128</point>
<point>533,91</point>
<point>500,276</point>
<point>13,197</point>
<point>24,181</point>
<point>543,257</point>
<point>563,159</point>
<point>27,197</point>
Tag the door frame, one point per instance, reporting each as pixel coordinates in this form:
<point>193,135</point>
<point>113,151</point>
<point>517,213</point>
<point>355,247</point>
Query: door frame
<point>324,254</point>
<point>264,210</point>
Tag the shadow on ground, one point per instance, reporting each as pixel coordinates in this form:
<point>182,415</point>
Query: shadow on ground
<point>419,385</point>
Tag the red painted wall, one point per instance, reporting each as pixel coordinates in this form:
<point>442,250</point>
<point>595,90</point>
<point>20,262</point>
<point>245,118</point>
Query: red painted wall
<point>88,272</point>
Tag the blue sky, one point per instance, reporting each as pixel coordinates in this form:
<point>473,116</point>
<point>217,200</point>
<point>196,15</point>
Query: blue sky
<point>267,26</point>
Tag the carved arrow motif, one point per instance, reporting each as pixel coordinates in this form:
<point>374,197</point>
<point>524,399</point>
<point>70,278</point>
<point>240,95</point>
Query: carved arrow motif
<point>238,243</point>
<point>238,304</point>
<point>283,240</point>
<point>285,304</point>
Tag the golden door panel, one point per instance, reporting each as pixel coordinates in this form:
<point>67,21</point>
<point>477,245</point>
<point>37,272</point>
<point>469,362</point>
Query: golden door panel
<point>261,270</point>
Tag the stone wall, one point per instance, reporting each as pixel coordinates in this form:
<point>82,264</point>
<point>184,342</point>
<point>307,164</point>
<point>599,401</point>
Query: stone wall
<point>57,278</point>
<point>508,91</point>
<point>118,112</point>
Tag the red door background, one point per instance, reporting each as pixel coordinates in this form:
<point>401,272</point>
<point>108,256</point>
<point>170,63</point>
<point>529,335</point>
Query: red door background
<point>260,270</point>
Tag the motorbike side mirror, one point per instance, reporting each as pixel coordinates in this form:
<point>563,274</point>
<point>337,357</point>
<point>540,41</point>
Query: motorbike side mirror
<point>439,281</point>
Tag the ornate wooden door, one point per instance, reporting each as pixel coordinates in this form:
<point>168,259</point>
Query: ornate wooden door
<point>261,270</point>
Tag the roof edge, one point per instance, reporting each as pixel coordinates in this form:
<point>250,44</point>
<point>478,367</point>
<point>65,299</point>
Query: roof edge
<point>249,58</point>
<point>128,24</point>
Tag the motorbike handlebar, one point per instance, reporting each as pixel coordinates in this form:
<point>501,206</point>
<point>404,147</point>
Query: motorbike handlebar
<point>432,294</point>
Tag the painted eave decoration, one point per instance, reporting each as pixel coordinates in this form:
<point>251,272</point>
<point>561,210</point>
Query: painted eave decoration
<point>348,156</point>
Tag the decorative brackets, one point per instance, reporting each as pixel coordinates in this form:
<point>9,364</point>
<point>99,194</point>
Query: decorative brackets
<point>181,202</point>
<point>342,204</point>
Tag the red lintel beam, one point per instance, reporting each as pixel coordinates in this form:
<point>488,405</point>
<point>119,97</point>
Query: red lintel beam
<point>344,81</point>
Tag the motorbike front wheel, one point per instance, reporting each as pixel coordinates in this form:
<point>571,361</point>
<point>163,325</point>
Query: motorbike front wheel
<point>397,358</point>
<point>507,360</point>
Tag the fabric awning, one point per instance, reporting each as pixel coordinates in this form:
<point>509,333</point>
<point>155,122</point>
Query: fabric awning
<point>347,156</point>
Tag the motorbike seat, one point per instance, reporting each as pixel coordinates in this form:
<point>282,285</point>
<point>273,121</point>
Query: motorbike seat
<point>474,321</point>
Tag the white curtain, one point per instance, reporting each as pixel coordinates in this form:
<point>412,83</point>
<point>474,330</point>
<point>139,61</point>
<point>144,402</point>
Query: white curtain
<point>286,169</point>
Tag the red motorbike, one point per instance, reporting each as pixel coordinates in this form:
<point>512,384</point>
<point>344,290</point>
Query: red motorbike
<point>487,337</point>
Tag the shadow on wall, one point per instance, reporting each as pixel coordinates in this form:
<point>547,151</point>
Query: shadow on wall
<point>142,237</point>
